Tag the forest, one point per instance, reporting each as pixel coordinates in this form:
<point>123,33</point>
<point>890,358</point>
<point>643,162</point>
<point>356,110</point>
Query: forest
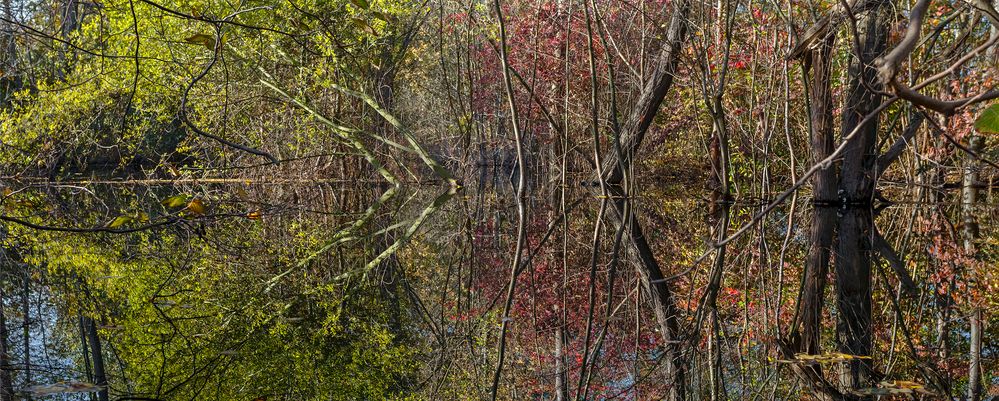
<point>541,200</point>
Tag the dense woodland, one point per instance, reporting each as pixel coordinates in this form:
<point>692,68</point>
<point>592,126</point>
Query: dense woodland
<point>499,199</point>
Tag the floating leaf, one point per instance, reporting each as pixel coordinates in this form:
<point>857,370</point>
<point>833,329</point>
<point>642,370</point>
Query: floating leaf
<point>175,201</point>
<point>988,121</point>
<point>363,4</point>
<point>120,221</point>
<point>196,206</point>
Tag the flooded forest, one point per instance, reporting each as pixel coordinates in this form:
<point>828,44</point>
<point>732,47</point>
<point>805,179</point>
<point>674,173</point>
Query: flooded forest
<point>263,200</point>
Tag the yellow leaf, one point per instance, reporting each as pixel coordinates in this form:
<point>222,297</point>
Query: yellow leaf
<point>254,215</point>
<point>196,206</point>
<point>175,201</point>
<point>119,221</point>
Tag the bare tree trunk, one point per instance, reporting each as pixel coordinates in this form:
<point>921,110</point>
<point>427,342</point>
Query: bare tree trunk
<point>824,195</point>
<point>969,196</point>
<point>561,373</point>
<point>853,282</point>
<point>26,329</point>
<point>975,366</point>
<point>856,189</point>
<point>857,172</point>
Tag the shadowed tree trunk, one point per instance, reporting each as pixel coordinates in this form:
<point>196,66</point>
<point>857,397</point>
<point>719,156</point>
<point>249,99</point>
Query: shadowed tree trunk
<point>856,190</point>
<point>806,330</point>
<point>561,373</point>
<point>657,291</point>
<point>857,172</point>
<point>97,357</point>
<point>824,196</point>
<point>6,385</point>
<point>853,282</point>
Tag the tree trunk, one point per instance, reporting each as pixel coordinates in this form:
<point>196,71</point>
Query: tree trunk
<point>6,384</point>
<point>26,327</point>
<point>969,196</point>
<point>975,357</point>
<point>823,197</point>
<point>561,373</point>
<point>651,98</point>
<point>856,190</point>
<point>857,172</point>
<point>658,293</point>
<point>97,357</point>
<point>853,282</point>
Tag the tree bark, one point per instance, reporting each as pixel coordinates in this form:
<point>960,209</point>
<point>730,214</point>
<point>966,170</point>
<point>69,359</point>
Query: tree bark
<point>6,384</point>
<point>657,291</point>
<point>853,282</point>
<point>651,98</point>
<point>823,195</point>
<point>975,357</point>
<point>856,191</point>
<point>561,373</point>
<point>969,196</point>
<point>97,357</point>
<point>857,172</point>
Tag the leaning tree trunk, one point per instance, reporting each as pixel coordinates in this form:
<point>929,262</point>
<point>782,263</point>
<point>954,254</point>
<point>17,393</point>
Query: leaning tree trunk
<point>619,163</point>
<point>657,292</point>
<point>651,97</point>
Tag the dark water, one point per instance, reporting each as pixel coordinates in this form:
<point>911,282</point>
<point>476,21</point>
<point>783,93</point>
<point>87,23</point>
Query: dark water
<point>263,288</point>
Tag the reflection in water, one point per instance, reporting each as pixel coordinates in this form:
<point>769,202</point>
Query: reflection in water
<point>293,290</point>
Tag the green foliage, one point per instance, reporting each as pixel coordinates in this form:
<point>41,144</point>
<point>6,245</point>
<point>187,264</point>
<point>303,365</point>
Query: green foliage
<point>988,121</point>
